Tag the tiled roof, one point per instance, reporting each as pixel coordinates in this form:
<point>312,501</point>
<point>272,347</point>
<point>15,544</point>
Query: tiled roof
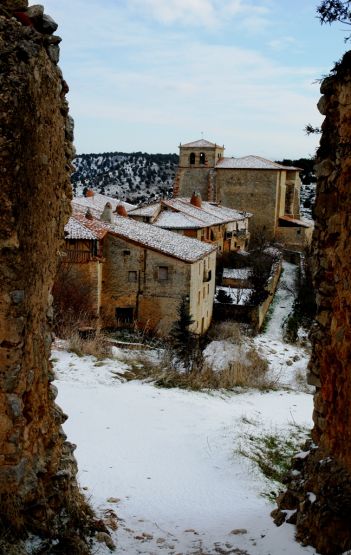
<point>98,202</point>
<point>169,219</point>
<point>209,214</point>
<point>201,143</point>
<point>75,230</point>
<point>251,163</point>
<point>149,236</point>
<point>147,211</point>
<point>296,222</point>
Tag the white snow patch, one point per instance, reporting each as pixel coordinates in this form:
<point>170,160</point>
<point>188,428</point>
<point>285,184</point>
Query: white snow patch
<point>220,354</point>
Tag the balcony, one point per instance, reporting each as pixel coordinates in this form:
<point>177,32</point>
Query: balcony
<point>76,256</point>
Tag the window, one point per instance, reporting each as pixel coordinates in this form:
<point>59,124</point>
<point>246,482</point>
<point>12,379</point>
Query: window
<point>163,273</point>
<point>192,158</point>
<point>132,276</point>
<point>124,315</point>
<point>199,297</point>
<point>126,253</point>
<point>202,158</point>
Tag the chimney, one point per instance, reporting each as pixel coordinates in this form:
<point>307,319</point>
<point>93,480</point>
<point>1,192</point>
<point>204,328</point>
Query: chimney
<point>121,211</point>
<point>196,199</point>
<point>106,215</point>
<point>88,215</point>
<point>89,193</point>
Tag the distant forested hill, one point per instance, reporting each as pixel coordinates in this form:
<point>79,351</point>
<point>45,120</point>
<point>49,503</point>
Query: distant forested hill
<point>137,177</point>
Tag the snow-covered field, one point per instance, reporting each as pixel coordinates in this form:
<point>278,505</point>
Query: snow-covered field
<point>165,460</point>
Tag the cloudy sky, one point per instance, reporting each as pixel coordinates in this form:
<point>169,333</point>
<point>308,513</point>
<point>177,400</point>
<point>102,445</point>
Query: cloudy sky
<point>145,75</point>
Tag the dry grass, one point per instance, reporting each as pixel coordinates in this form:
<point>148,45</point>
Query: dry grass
<point>95,346</point>
<point>165,373</point>
<point>226,330</point>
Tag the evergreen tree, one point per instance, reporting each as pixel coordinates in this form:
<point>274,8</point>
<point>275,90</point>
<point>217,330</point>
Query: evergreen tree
<point>182,339</point>
<point>223,297</point>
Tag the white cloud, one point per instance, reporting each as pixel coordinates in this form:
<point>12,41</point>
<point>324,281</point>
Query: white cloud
<point>137,88</point>
<point>207,13</point>
<point>194,12</point>
<point>282,43</point>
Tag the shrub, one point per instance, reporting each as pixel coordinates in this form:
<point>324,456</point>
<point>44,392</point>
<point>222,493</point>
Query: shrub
<point>227,329</point>
<point>95,345</point>
<point>71,300</point>
<point>222,296</point>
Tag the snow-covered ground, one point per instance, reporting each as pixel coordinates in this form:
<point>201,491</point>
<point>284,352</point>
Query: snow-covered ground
<point>165,460</point>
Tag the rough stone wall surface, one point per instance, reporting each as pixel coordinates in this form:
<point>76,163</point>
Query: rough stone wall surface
<point>38,489</point>
<point>194,179</point>
<point>323,519</point>
<point>254,191</point>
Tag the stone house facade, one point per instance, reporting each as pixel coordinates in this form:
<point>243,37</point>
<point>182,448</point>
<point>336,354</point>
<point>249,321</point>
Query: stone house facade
<point>142,273</point>
<point>267,189</point>
<point>81,265</point>
<point>226,228</point>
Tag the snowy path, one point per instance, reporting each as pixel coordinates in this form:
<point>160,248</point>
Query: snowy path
<point>283,302</point>
<point>287,362</point>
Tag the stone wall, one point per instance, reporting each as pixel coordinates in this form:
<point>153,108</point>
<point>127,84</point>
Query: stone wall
<point>38,488</point>
<point>254,191</point>
<point>320,487</point>
<point>295,238</point>
<point>192,179</point>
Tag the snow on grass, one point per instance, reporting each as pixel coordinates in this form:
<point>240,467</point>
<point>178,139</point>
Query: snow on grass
<point>168,460</point>
<point>220,354</point>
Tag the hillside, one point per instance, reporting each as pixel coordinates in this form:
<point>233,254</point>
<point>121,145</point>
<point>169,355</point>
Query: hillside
<point>136,177</point>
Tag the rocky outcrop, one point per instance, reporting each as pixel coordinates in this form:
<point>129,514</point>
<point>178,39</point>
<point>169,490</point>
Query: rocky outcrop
<point>38,488</point>
<point>319,487</point>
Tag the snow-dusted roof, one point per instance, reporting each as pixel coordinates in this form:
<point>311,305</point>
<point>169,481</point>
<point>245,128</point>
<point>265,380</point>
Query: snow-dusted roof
<point>176,220</point>
<point>98,202</point>
<point>147,211</point>
<point>296,222</point>
<point>209,214</point>
<point>75,230</point>
<point>236,273</point>
<point>155,238</point>
<point>202,143</point>
<point>251,163</point>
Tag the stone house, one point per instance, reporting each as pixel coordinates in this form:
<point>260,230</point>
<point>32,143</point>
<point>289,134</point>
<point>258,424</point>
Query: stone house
<point>251,183</point>
<point>144,272</point>
<point>206,221</point>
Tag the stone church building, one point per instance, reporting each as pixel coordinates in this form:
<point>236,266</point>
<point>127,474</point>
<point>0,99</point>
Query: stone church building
<point>267,189</point>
